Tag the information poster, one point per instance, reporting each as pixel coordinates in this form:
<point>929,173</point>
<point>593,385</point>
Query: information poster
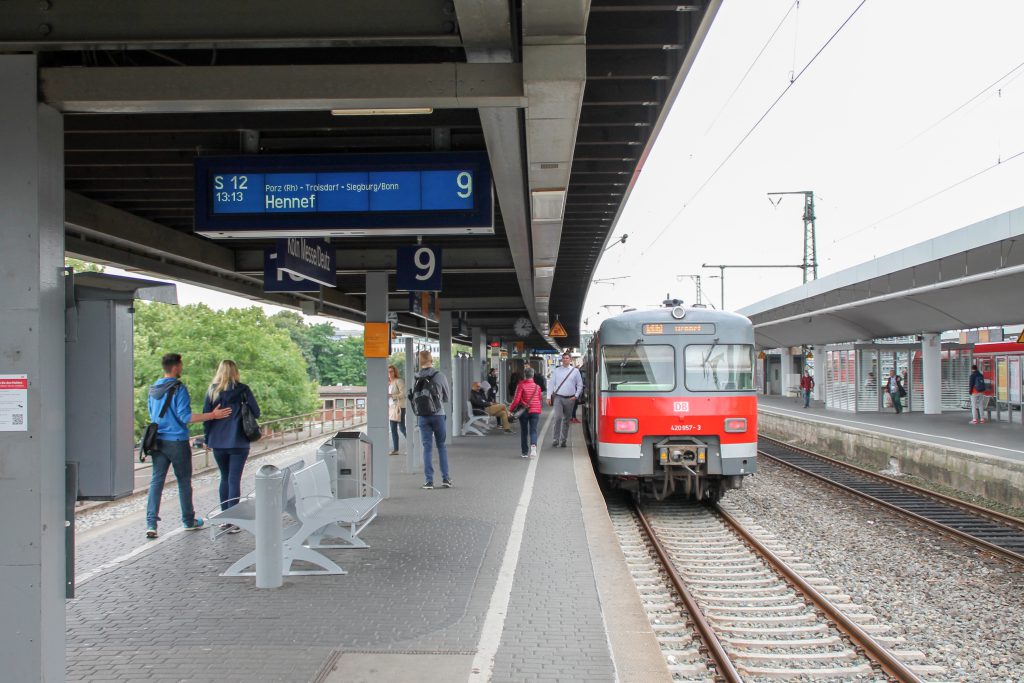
<point>13,403</point>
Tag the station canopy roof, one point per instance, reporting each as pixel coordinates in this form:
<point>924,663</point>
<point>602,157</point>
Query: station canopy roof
<point>971,277</point>
<point>565,97</point>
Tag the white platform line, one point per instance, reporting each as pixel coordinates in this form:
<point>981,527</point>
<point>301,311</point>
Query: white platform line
<point>804,415</point>
<point>117,561</point>
<point>494,622</point>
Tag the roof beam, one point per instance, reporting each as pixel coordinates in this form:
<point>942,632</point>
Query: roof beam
<point>361,260</point>
<point>129,24</point>
<point>319,87</point>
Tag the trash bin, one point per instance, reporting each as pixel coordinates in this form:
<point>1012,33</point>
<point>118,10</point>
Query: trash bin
<point>352,466</point>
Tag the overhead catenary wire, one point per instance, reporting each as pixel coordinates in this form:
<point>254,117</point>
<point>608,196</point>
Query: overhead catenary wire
<point>743,78</point>
<point>757,123</point>
<point>919,202</point>
<point>965,104</point>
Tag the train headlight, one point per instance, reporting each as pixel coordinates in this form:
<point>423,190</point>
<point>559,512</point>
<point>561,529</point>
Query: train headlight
<point>626,425</point>
<point>735,424</point>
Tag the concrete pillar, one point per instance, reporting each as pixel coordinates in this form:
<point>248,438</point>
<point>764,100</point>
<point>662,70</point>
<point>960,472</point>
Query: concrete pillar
<point>931,365</point>
<point>377,384</point>
<point>785,370</point>
<point>413,455</point>
<point>444,336</point>
<point>479,354</point>
<point>32,554</point>
<point>458,397</point>
<point>820,358</point>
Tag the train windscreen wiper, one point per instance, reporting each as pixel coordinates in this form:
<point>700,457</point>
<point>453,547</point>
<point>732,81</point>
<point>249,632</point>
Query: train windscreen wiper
<point>707,367</point>
<point>629,354</point>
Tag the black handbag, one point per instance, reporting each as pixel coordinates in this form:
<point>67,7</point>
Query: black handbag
<point>521,410</point>
<point>149,436</point>
<point>250,427</point>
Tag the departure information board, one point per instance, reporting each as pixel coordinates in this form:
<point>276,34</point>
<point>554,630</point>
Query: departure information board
<point>273,196</point>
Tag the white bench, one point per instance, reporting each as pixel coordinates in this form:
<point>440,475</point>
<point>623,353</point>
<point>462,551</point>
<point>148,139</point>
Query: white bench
<point>321,515</point>
<point>315,513</point>
<point>471,425</point>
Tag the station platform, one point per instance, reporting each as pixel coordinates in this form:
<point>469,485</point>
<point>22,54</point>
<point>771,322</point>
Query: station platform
<point>986,459</point>
<point>514,574</point>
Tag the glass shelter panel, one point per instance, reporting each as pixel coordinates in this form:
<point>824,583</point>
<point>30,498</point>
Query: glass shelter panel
<point>867,383</point>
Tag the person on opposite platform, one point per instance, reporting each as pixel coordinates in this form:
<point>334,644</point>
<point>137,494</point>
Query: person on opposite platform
<point>428,396</point>
<point>478,399</point>
<point>894,387</point>
<point>172,445</point>
<point>528,393</point>
<point>396,407</point>
<point>806,387</point>
<point>564,390</point>
<point>491,390</point>
<point>976,385</point>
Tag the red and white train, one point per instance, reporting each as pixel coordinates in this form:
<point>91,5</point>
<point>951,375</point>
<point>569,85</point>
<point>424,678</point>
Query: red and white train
<point>672,405</point>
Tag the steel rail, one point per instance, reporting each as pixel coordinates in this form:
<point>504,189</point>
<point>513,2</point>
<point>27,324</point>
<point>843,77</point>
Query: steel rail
<point>723,663</point>
<point>872,648</point>
<point>939,526</point>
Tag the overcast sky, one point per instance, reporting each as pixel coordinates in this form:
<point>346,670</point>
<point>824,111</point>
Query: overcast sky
<point>856,128</point>
<point>866,127</point>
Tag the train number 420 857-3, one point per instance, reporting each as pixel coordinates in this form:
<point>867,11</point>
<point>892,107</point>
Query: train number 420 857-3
<point>686,428</point>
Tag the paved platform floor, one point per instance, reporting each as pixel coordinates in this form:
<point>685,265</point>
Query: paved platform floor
<point>950,429</point>
<point>493,579</point>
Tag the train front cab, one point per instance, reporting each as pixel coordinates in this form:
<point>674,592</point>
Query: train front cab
<point>675,412</point>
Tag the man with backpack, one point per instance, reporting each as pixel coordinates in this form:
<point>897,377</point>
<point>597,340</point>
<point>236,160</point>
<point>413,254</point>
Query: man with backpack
<point>428,395</point>
<point>170,408</point>
<point>977,388</point>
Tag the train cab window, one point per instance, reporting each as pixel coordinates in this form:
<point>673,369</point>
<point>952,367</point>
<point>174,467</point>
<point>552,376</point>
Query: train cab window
<point>719,367</point>
<point>638,367</point>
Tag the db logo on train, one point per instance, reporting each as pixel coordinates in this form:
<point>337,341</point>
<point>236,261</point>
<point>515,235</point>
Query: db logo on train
<point>681,406</point>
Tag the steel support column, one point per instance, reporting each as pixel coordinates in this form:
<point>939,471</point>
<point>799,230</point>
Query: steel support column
<point>377,383</point>
<point>32,552</point>
<point>444,336</point>
<point>931,366</point>
<point>479,354</point>
<point>786,370</point>
<point>413,456</point>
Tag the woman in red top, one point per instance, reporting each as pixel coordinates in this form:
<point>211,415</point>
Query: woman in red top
<point>528,393</point>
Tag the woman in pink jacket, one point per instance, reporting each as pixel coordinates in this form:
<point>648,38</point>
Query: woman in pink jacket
<point>529,394</point>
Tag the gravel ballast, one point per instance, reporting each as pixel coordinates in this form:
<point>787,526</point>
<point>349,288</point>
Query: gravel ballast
<point>965,611</point>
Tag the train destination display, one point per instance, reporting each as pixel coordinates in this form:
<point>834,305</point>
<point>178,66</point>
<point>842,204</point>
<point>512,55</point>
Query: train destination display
<point>268,196</point>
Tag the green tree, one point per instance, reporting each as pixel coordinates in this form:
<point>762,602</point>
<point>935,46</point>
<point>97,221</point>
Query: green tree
<point>352,363</point>
<point>81,266</point>
<point>269,361</point>
<point>318,344</point>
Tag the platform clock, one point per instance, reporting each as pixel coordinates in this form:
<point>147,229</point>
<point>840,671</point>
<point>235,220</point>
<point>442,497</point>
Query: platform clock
<point>523,327</point>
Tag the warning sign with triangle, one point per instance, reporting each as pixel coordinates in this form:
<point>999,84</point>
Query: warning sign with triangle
<point>557,330</point>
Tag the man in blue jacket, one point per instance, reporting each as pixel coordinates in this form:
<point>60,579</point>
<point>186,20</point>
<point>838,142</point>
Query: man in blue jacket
<point>172,444</point>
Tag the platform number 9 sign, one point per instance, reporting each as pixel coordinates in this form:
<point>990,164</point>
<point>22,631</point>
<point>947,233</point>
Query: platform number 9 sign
<point>419,268</point>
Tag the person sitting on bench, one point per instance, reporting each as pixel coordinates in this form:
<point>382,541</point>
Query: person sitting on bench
<point>480,403</point>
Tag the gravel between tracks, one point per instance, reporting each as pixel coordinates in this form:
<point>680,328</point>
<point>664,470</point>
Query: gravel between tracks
<point>964,610</point>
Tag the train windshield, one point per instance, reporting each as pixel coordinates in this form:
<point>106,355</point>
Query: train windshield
<point>719,367</point>
<point>638,367</point>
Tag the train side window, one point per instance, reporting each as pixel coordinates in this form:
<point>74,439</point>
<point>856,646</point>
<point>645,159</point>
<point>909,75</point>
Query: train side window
<point>638,368</point>
<point>719,367</point>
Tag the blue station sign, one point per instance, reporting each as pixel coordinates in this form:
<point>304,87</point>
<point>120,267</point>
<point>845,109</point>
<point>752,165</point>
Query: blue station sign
<point>309,258</point>
<point>447,193</point>
<point>277,280</point>
<point>419,269</point>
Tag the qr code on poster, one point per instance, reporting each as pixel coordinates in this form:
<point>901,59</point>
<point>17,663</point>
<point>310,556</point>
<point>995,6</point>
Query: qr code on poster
<point>18,419</point>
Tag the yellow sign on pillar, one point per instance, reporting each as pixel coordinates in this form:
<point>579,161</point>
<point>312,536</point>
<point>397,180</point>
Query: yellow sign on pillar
<point>376,340</point>
<point>557,330</point>
<point>1020,337</point>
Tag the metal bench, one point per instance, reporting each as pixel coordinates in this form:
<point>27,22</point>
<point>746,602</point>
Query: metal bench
<point>482,419</point>
<point>243,513</point>
<point>320,515</point>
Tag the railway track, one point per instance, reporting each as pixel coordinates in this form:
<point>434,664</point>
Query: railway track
<point>991,531</point>
<point>726,606</point>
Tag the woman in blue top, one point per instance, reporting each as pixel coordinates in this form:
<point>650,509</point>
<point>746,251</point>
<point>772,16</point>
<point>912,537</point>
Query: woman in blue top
<point>225,437</point>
